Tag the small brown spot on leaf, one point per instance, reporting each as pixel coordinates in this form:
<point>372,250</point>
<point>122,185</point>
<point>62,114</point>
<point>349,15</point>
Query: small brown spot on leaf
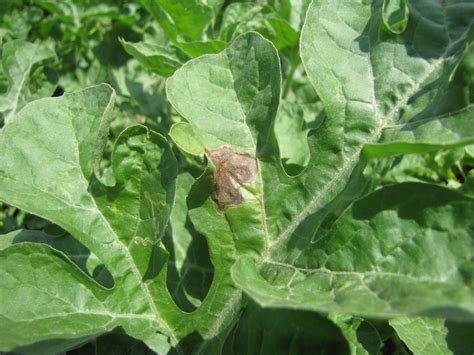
<point>232,170</point>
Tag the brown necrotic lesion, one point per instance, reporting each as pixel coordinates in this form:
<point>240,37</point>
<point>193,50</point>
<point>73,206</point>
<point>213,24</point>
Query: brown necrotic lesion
<point>232,170</point>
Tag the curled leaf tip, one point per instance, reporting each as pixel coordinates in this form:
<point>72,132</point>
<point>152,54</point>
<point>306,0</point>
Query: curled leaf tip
<point>395,14</point>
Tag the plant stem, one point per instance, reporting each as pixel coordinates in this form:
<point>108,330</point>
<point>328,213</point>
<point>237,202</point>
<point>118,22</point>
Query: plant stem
<point>289,80</point>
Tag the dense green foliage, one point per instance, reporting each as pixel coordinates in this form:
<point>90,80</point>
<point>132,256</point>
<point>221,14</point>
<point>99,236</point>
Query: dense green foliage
<point>237,177</point>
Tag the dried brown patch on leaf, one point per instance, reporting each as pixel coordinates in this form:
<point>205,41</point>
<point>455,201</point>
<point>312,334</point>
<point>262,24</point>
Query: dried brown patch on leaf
<point>232,170</point>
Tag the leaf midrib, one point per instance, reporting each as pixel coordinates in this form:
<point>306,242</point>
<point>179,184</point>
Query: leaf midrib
<point>361,274</point>
<point>105,222</point>
<point>113,316</point>
<point>123,247</point>
<point>350,162</point>
<point>260,178</point>
<point>134,269</point>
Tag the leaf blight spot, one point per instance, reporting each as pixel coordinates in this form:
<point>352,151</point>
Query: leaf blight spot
<point>232,171</point>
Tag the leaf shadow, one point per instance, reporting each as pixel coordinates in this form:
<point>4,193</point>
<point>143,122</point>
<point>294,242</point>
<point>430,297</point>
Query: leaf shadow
<point>419,41</point>
<point>463,316</point>
<point>410,200</point>
<point>189,279</point>
<point>77,252</point>
<point>284,331</point>
<point>459,338</point>
<point>187,344</point>
<point>317,226</point>
<point>51,346</point>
